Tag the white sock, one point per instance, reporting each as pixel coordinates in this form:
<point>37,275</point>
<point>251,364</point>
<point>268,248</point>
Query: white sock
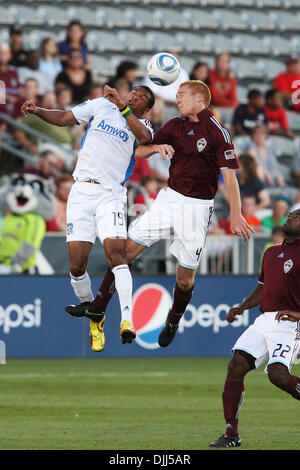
<point>123,282</point>
<point>82,287</point>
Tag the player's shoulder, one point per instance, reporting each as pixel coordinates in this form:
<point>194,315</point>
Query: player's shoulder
<point>273,249</point>
<point>216,127</point>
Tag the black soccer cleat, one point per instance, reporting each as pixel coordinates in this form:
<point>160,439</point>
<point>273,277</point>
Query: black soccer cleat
<point>226,441</point>
<point>167,334</point>
<point>86,309</point>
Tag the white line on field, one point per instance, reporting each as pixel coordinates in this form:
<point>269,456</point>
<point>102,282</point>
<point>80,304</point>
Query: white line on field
<point>47,375</point>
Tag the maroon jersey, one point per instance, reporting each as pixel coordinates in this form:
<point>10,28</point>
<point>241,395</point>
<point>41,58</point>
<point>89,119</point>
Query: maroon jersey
<point>10,78</point>
<point>281,278</point>
<point>201,150</point>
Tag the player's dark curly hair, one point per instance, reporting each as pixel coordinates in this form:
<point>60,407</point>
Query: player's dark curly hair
<point>150,93</point>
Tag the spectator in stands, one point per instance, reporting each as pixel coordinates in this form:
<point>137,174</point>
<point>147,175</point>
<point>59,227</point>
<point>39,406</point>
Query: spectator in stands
<point>223,85</point>
<point>31,70</point>
<point>75,40</point>
<point>265,157</point>
<point>200,71</point>
<point>64,98</point>
<point>148,194</point>
<point>96,91</point>
<point>278,217</point>
<point>123,88</point>
<point>75,76</point>
<point>249,115</point>
<point>250,183</point>
<point>277,238</point>
<point>62,135</point>
<point>63,187</point>
<point>8,74</point>
<point>276,114</point>
<point>29,91</point>
<point>126,70</point>
<point>248,209</point>
<point>49,63</point>
<point>47,166</point>
<point>296,204</point>
<point>288,82</point>
<point>19,55</point>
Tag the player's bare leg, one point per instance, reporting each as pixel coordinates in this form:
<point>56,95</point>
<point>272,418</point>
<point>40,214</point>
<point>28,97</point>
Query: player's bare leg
<point>183,293</point>
<point>280,376</point>
<point>233,396</point>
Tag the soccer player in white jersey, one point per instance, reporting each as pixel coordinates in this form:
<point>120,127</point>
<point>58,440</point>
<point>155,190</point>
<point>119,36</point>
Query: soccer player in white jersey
<point>97,200</point>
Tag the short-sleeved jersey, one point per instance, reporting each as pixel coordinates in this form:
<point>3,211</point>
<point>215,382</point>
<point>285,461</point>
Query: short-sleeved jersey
<point>280,277</point>
<point>107,149</point>
<point>201,150</point>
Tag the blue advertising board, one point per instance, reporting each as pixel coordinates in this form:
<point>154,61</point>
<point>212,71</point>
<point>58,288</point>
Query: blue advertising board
<point>33,322</point>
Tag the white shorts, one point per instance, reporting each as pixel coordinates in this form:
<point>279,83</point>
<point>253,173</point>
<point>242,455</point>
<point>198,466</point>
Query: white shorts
<point>91,209</point>
<point>187,218</point>
<point>268,339</point>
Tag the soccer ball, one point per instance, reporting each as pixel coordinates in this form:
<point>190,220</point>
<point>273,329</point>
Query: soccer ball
<point>163,69</point>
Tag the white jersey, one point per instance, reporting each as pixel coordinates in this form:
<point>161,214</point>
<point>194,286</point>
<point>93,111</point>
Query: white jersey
<point>107,149</point>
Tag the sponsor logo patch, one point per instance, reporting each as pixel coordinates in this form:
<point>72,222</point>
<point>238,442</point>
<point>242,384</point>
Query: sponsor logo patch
<point>69,229</point>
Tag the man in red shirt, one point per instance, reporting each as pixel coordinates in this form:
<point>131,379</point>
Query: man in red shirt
<point>276,114</point>
<point>200,148</point>
<point>289,82</point>
<point>267,338</point>
<point>8,74</point>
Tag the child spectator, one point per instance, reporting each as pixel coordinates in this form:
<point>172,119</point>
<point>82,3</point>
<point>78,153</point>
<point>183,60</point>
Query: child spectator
<point>250,183</point>
<point>249,115</point>
<point>223,84</point>
<point>63,187</point>
<point>276,114</point>
<point>248,209</point>
<point>29,91</point>
<point>96,91</point>
<point>278,217</point>
<point>49,64</point>
<point>200,71</point>
<point>265,157</point>
<point>150,189</point>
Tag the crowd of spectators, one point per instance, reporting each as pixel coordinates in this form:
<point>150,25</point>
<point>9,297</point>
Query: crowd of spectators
<point>60,75</point>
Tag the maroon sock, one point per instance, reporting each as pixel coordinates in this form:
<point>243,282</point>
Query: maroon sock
<point>294,386</point>
<point>233,396</point>
<point>105,292</point>
<point>180,302</point>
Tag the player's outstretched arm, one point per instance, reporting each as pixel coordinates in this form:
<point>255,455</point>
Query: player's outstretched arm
<point>239,226</point>
<point>288,315</point>
<point>145,151</point>
<point>253,300</point>
<point>140,131</point>
<point>53,116</point>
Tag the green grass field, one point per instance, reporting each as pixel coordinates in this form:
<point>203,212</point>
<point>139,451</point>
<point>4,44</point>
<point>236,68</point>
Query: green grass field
<point>170,404</point>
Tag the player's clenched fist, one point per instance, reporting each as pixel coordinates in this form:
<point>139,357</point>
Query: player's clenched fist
<point>233,312</point>
<point>28,108</point>
<point>288,315</point>
<point>112,95</point>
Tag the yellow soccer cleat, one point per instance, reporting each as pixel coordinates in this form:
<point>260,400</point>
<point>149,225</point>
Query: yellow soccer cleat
<point>127,332</point>
<point>97,337</point>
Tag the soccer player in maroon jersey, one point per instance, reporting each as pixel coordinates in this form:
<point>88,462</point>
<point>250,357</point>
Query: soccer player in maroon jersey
<point>275,334</point>
<point>200,148</point>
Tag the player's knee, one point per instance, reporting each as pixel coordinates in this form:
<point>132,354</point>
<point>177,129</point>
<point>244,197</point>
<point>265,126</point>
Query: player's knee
<point>185,283</point>
<point>237,368</point>
<point>116,257</point>
<point>278,375</point>
<point>77,269</point>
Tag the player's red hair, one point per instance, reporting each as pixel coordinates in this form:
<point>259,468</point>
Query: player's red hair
<point>197,86</point>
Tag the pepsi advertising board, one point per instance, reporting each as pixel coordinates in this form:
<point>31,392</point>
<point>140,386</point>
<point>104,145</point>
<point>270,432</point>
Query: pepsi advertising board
<point>33,322</point>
